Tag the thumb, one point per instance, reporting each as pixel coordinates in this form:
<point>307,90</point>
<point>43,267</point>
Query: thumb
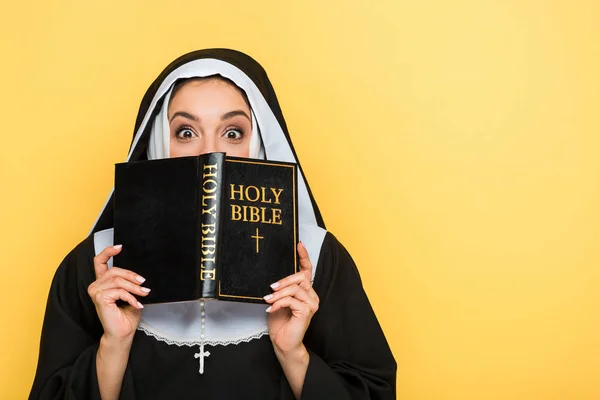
<point>101,260</point>
<point>305,264</point>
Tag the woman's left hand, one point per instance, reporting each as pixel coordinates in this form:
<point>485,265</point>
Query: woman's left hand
<point>293,303</point>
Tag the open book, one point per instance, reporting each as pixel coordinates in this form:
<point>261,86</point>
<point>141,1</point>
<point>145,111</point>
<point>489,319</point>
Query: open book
<point>207,226</point>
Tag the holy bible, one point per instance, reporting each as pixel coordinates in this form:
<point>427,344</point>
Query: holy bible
<point>206,226</point>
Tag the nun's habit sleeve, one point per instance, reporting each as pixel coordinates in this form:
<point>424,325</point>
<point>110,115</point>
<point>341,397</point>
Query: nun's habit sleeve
<point>349,355</point>
<point>70,334</point>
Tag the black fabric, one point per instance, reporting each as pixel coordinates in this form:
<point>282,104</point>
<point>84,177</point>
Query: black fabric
<point>240,60</point>
<point>349,355</point>
<point>347,346</point>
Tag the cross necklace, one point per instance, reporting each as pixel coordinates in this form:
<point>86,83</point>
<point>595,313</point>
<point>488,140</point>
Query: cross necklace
<point>201,354</point>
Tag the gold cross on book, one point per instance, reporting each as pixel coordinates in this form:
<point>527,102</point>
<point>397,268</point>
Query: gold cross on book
<point>257,238</point>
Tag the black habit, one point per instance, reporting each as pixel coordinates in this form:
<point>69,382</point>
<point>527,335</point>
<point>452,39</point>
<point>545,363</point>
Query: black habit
<point>349,355</point>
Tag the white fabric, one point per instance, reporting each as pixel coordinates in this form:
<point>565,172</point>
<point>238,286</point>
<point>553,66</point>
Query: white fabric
<point>159,144</point>
<point>256,147</point>
<point>226,322</point>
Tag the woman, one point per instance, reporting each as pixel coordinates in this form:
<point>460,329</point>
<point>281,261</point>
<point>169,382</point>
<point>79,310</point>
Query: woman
<point>213,100</point>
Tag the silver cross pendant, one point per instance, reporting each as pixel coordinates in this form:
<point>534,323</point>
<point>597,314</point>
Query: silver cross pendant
<point>201,356</point>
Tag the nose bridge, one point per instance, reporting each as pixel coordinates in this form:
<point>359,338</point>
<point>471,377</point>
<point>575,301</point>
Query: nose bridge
<point>209,143</point>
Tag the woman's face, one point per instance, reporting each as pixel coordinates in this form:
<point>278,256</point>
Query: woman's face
<point>208,116</point>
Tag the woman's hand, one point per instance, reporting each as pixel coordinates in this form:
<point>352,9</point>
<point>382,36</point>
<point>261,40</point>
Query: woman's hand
<point>293,303</point>
<point>119,323</point>
<point>116,284</point>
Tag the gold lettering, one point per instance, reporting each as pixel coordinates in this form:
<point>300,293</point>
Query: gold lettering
<point>208,239</point>
<point>277,193</point>
<point>211,274</point>
<point>236,212</point>
<point>212,211</point>
<point>210,168</point>
<point>254,216</point>
<point>264,196</point>
<point>210,249</point>
<point>204,197</point>
<point>208,228</point>
<point>256,192</point>
<point>211,182</point>
<point>277,216</point>
<point>262,216</point>
<point>233,192</point>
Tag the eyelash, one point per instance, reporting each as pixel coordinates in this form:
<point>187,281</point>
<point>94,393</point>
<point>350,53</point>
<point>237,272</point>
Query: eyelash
<point>229,128</point>
<point>182,128</point>
<point>234,128</point>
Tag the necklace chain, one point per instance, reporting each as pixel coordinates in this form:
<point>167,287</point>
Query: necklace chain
<point>201,354</point>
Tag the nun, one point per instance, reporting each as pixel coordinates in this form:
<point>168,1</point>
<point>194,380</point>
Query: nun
<point>316,336</point>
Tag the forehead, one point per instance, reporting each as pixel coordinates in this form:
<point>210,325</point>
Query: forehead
<point>214,90</point>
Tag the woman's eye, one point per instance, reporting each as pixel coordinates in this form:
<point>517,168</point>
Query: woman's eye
<point>234,134</point>
<point>185,133</point>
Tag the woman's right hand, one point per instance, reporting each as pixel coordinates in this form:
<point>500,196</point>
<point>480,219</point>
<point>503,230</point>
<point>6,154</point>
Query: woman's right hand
<point>114,284</point>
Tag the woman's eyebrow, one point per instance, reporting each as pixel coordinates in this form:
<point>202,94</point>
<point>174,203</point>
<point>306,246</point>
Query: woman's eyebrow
<point>185,115</point>
<point>234,113</point>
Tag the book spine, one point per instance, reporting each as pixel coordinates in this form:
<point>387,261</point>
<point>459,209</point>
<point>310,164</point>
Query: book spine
<point>210,198</point>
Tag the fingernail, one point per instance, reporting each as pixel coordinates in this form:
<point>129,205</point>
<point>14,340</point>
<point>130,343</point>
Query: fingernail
<point>145,290</point>
<point>275,285</point>
<point>140,305</point>
<point>140,279</point>
<point>268,309</point>
<point>117,246</point>
<point>268,297</point>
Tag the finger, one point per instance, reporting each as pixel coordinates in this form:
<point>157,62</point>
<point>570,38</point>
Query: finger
<point>297,307</point>
<point>109,297</point>
<point>299,278</point>
<point>106,281</point>
<point>305,264</point>
<point>118,282</point>
<point>101,259</point>
<point>296,292</point>
<point>125,274</point>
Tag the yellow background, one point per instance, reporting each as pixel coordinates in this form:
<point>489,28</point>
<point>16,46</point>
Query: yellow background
<point>452,145</point>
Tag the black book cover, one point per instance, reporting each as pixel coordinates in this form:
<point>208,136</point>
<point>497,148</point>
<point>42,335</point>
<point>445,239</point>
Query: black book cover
<point>207,226</point>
